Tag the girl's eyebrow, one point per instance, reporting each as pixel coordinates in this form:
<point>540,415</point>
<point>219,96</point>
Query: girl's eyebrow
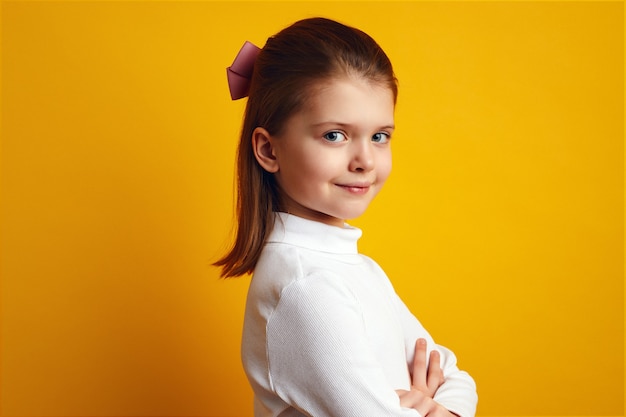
<point>390,126</point>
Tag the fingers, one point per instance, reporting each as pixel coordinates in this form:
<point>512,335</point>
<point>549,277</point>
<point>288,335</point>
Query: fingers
<point>435,374</point>
<point>421,402</point>
<point>426,378</point>
<point>419,365</point>
<point>416,400</point>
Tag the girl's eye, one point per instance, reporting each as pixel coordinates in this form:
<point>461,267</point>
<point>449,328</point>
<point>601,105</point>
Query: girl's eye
<point>335,136</point>
<point>381,137</point>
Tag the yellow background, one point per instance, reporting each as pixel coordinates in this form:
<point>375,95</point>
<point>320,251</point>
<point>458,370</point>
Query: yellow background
<point>501,226</point>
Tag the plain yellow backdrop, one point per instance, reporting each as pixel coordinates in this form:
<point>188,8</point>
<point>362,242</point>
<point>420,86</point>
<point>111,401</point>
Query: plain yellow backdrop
<point>501,225</point>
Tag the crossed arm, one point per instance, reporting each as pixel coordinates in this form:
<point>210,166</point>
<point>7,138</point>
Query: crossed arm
<point>321,361</point>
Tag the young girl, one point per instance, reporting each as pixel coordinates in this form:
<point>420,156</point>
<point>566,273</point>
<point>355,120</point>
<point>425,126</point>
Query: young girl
<point>324,332</point>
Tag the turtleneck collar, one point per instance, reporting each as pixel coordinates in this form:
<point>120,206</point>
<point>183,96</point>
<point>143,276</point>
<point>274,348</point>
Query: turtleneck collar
<point>314,235</point>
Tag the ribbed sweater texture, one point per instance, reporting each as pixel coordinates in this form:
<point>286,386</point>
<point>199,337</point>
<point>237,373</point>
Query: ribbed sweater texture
<point>326,335</point>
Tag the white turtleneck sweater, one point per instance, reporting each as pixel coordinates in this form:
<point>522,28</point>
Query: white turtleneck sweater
<point>326,335</point>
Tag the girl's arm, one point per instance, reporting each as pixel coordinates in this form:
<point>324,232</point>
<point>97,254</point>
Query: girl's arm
<point>319,356</point>
<point>457,392</point>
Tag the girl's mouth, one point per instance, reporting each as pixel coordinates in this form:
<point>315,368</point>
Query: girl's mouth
<point>356,188</point>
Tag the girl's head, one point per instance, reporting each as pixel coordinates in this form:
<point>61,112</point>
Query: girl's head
<point>310,63</point>
<point>302,55</point>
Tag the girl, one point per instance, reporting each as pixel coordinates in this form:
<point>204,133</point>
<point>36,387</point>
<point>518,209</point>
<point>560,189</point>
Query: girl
<point>324,332</point>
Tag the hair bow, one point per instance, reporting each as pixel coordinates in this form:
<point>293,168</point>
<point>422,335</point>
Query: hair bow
<point>240,72</point>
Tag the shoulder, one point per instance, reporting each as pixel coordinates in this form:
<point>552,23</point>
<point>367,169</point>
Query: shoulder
<point>318,306</point>
<point>286,269</point>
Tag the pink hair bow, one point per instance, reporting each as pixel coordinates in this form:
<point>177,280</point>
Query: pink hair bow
<point>240,73</point>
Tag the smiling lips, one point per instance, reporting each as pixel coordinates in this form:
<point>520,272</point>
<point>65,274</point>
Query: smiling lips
<point>356,188</point>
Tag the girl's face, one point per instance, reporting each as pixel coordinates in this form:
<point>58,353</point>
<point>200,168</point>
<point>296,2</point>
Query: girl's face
<point>333,157</point>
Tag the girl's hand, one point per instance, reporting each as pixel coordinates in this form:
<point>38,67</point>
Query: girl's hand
<point>426,406</point>
<point>426,381</point>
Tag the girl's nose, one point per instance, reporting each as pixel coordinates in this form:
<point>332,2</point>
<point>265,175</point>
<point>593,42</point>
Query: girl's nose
<point>362,157</point>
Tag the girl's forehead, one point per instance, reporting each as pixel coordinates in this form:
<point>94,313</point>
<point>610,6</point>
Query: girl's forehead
<point>339,84</point>
<point>350,97</point>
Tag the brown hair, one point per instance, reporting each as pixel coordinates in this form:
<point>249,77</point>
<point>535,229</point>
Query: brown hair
<point>307,52</point>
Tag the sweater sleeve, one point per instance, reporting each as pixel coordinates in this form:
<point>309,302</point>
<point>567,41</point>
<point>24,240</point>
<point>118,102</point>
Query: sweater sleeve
<point>319,357</point>
<point>458,392</point>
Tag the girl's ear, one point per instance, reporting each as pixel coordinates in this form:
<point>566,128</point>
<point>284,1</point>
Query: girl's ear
<point>264,150</point>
